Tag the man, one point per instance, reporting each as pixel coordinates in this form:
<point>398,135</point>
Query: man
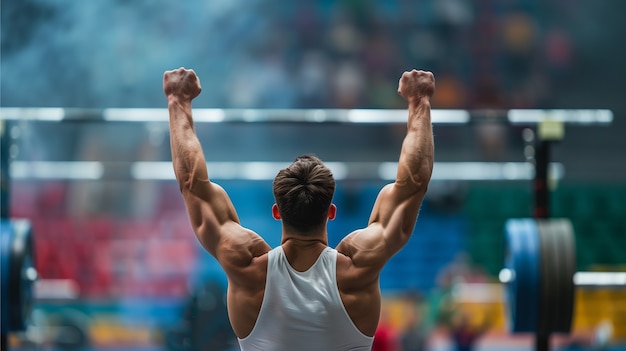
<point>303,295</point>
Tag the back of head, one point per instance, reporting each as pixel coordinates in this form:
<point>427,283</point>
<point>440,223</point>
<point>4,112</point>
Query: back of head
<point>304,192</point>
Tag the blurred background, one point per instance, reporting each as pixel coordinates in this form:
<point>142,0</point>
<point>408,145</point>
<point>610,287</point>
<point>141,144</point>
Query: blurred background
<point>119,266</point>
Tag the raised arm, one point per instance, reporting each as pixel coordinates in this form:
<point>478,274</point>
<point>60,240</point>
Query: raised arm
<point>395,210</point>
<point>211,212</point>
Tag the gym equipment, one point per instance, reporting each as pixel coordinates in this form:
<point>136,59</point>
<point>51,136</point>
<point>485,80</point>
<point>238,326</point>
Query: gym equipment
<point>522,242</point>
<point>540,256</point>
<point>18,274</point>
<point>559,261</point>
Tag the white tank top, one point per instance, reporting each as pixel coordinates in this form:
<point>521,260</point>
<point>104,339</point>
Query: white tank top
<point>303,310</point>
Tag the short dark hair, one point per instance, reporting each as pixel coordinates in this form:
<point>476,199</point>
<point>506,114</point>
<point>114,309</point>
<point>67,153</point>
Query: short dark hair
<point>304,192</point>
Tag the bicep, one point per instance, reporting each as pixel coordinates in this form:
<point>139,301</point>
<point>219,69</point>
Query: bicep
<point>210,211</point>
<point>396,210</point>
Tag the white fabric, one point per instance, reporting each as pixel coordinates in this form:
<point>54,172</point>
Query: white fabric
<point>302,311</point>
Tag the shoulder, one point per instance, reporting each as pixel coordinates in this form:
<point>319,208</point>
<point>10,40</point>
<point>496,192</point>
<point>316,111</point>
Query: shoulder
<point>240,244</point>
<point>250,276</point>
<point>241,252</point>
<point>365,247</point>
<point>359,257</point>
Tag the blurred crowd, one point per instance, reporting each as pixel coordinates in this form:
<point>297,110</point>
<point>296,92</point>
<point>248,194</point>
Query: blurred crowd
<point>345,54</point>
<point>287,54</point>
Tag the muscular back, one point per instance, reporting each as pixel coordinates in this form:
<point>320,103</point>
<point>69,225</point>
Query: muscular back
<point>359,294</point>
<point>362,301</point>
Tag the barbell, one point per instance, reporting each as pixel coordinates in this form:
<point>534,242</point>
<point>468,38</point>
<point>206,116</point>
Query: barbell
<point>540,259</point>
<point>17,274</point>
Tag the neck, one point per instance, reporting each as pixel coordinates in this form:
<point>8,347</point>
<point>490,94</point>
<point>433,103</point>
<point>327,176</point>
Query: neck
<point>302,251</point>
<point>305,240</point>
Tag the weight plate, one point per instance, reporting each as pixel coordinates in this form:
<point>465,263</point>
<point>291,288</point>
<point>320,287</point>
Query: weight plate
<point>558,265</point>
<point>522,261</point>
<point>5,245</point>
<point>20,276</point>
<point>549,278</point>
<point>567,268</point>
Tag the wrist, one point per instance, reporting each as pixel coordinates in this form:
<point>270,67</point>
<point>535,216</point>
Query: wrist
<point>418,101</point>
<point>176,100</point>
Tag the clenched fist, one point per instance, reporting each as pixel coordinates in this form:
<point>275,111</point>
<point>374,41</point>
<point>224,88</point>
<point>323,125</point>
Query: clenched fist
<point>182,84</point>
<point>415,85</point>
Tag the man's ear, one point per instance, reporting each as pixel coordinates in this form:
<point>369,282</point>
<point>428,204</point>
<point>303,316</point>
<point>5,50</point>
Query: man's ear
<point>276,212</point>
<point>332,212</point>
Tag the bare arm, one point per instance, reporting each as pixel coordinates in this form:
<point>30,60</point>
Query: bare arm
<point>396,208</point>
<point>211,212</point>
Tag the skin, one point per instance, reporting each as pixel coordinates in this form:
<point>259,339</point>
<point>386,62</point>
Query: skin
<point>242,253</point>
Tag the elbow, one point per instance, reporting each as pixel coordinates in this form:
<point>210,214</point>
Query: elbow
<point>184,180</point>
<point>420,190</point>
<point>413,185</point>
<point>421,181</point>
<point>184,183</point>
<point>184,176</point>
<point>423,176</point>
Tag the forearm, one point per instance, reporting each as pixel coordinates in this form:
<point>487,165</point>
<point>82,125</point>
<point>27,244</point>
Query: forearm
<point>187,156</point>
<point>416,158</point>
